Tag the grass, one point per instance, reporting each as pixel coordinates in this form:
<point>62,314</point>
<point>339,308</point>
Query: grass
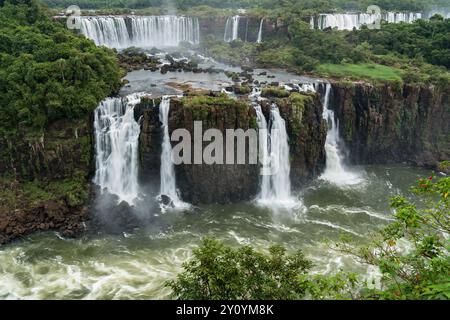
<point>361,71</point>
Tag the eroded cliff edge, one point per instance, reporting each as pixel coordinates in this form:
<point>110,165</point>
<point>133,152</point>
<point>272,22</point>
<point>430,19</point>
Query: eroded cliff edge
<point>222,183</point>
<point>45,181</point>
<point>382,124</point>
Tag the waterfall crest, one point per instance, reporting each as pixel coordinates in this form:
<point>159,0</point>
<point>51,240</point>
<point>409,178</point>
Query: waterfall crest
<point>116,146</point>
<point>335,172</point>
<point>168,179</point>
<point>259,40</point>
<point>349,21</point>
<point>232,29</point>
<point>140,31</point>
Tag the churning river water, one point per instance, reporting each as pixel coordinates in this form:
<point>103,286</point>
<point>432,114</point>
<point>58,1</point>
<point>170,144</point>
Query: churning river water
<point>136,265</point>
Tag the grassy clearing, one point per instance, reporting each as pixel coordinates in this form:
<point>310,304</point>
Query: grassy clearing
<point>361,71</point>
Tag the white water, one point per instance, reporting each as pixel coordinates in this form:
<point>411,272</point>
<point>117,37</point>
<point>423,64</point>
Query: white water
<point>349,21</point>
<point>264,156</point>
<point>140,31</point>
<point>275,159</point>
<point>444,12</point>
<point>232,29</point>
<point>168,179</point>
<point>259,40</point>
<point>116,145</point>
<point>335,172</point>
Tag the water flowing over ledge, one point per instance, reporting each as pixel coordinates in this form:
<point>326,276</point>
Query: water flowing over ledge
<point>140,31</point>
<point>335,171</point>
<point>116,146</point>
<point>168,178</point>
<point>232,29</point>
<point>348,21</point>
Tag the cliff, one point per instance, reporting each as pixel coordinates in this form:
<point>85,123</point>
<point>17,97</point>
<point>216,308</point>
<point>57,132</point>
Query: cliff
<point>223,183</point>
<point>44,180</point>
<point>388,124</point>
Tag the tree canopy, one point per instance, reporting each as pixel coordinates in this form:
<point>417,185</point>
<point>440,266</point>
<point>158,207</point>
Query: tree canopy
<point>46,71</point>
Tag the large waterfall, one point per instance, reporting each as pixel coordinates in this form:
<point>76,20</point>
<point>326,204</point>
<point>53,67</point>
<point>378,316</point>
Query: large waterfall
<point>116,145</point>
<point>168,179</point>
<point>335,172</point>
<point>349,21</point>
<point>140,31</point>
<point>259,40</point>
<point>232,29</point>
<point>275,160</point>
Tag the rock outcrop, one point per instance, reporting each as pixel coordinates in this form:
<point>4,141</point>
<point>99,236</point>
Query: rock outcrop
<point>385,124</point>
<point>224,183</point>
<point>44,180</point>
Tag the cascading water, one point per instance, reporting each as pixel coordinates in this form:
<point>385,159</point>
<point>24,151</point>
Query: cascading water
<point>279,153</point>
<point>335,171</point>
<point>349,21</point>
<point>116,145</point>
<point>259,40</point>
<point>274,157</point>
<point>168,180</point>
<point>264,156</point>
<point>140,31</point>
<point>232,29</point>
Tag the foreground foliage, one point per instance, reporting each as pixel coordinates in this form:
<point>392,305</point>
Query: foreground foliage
<point>221,272</point>
<point>421,271</point>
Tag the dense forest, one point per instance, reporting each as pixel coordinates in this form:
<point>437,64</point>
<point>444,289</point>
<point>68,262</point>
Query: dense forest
<point>391,83</point>
<point>324,5</point>
<point>417,52</point>
<point>46,71</point>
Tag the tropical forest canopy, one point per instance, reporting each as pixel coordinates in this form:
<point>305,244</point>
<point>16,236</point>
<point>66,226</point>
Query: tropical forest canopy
<point>46,71</point>
<point>321,5</point>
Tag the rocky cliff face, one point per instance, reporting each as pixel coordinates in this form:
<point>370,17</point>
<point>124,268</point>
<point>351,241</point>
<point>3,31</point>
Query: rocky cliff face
<point>223,183</point>
<point>307,134</point>
<point>384,124</point>
<point>44,180</point>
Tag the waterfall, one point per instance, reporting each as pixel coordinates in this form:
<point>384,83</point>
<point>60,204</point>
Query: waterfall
<point>275,159</point>
<point>279,153</point>
<point>444,12</point>
<point>349,21</point>
<point>232,29</point>
<point>168,179</point>
<point>140,31</point>
<point>264,156</point>
<point>259,40</point>
<point>116,145</point>
<point>335,171</point>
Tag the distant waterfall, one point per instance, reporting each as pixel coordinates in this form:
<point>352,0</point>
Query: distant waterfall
<point>335,171</point>
<point>168,179</point>
<point>232,29</point>
<point>140,31</point>
<point>444,12</point>
<point>259,40</point>
<point>116,145</point>
<point>349,21</point>
<point>275,158</point>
